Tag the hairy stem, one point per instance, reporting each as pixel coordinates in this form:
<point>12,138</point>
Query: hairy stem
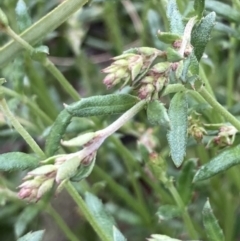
<point>219,108</point>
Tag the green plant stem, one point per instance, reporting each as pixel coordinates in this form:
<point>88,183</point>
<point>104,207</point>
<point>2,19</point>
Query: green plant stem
<point>30,103</point>
<point>38,31</point>
<point>61,79</point>
<point>205,80</point>
<point>30,141</point>
<point>60,222</point>
<point>48,64</point>
<point>230,73</point>
<point>180,204</point>
<point>87,213</point>
<point>219,108</point>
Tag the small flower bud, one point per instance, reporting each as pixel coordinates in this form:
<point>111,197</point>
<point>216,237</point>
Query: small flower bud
<point>120,73</point>
<point>160,83</point>
<point>79,140</point>
<point>24,193</point>
<point>120,63</point>
<point>136,69</point>
<point>147,51</point>
<point>43,170</point>
<point>34,183</point>
<point>68,169</point>
<point>110,69</point>
<point>146,91</point>
<point>123,56</point>
<point>108,80</point>
<point>160,67</point>
<point>147,80</point>
<point>45,187</point>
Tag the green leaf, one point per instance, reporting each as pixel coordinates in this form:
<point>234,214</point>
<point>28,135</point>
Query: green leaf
<point>168,212</point>
<point>218,164</point>
<point>35,236</point>
<point>212,228</point>
<point>175,18</point>
<point>173,55</point>
<point>184,183</point>
<point>157,113</point>
<point>168,38</point>
<point>199,6</point>
<point>223,10</point>
<point>159,237</point>
<point>56,132</point>
<point>201,34</point>
<point>177,135</point>
<point>117,235</point>
<point>104,220</point>
<point>24,219</point>
<point>84,171</point>
<point>17,161</point>
<point>102,105</point>
<point>23,19</point>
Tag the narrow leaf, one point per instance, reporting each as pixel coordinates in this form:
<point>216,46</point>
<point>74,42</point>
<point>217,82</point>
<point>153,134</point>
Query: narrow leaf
<point>102,105</point>
<point>224,10</point>
<point>199,6</point>
<point>23,19</point>
<point>17,161</point>
<point>175,18</point>
<point>157,113</point>
<point>201,34</point>
<point>35,236</point>
<point>159,237</point>
<point>56,132</point>
<point>177,135</point>
<point>212,228</point>
<point>184,183</point>
<point>104,220</point>
<point>168,38</point>
<point>117,235</point>
<point>24,219</point>
<point>218,164</point>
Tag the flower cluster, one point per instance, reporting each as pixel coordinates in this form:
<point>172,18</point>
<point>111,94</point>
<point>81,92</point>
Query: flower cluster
<point>196,128</point>
<point>42,179</point>
<point>225,137</point>
<point>56,170</point>
<point>138,68</point>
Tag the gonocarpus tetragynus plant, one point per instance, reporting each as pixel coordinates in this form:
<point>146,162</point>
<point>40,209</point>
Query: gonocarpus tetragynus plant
<point>166,87</point>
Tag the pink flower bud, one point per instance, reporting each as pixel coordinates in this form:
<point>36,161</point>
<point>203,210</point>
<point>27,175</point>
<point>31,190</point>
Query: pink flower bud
<point>146,91</point>
<point>108,80</point>
<point>24,193</point>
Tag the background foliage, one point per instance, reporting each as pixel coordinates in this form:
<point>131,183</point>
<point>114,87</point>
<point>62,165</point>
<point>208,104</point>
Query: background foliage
<point>140,203</point>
